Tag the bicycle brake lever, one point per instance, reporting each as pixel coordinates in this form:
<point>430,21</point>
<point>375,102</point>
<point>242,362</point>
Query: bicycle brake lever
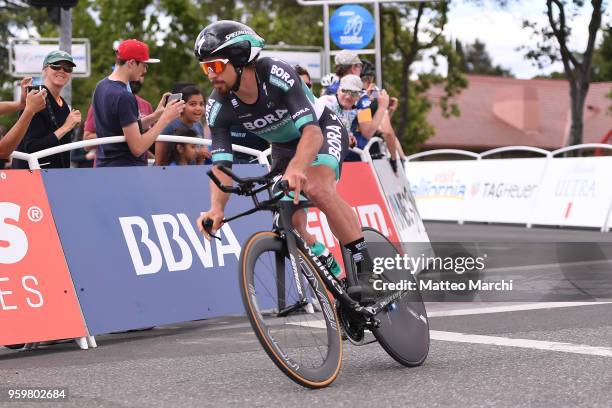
<point>207,224</point>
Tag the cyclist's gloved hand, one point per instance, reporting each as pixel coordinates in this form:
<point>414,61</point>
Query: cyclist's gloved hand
<point>217,220</point>
<point>393,163</point>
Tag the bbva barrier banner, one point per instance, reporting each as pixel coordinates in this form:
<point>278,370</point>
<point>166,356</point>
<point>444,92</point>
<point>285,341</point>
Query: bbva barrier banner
<point>135,255</point>
<point>576,191</point>
<point>37,298</point>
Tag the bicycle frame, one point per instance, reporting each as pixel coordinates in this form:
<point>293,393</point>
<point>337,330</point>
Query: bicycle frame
<point>283,207</point>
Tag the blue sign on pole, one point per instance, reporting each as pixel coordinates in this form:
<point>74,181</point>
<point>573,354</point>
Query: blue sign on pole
<point>351,27</point>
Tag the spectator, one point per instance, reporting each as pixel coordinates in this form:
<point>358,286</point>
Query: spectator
<point>52,126</point>
<point>347,63</point>
<point>359,120</point>
<point>144,109</point>
<point>303,73</point>
<point>116,110</point>
<point>180,154</point>
<point>191,118</point>
<point>32,103</point>
<point>368,75</point>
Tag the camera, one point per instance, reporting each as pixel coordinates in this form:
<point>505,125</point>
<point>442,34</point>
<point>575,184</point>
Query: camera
<point>34,88</point>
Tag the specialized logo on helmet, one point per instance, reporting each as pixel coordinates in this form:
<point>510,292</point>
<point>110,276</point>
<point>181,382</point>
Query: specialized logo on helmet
<point>236,34</point>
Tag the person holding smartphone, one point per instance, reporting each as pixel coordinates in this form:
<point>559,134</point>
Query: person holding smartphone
<point>53,125</point>
<point>31,102</point>
<point>115,109</point>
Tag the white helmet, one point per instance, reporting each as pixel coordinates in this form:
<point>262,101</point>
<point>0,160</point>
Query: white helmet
<point>328,79</point>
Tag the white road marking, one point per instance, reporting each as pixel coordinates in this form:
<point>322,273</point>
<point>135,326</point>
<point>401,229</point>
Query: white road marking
<point>317,324</point>
<point>521,343</point>
<point>509,308</point>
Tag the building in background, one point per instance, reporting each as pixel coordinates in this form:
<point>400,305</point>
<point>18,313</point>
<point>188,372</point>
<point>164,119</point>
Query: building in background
<point>499,111</point>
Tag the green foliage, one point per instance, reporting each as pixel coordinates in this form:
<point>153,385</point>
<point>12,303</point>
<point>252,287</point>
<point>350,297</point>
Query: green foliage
<point>170,27</point>
<point>411,31</point>
<point>475,59</point>
<point>602,57</point>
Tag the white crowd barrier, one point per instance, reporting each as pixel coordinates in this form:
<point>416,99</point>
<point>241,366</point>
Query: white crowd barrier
<point>551,190</point>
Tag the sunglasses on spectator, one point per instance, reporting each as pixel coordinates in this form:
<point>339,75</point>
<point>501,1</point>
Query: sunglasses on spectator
<point>216,66</point>
<point>352,94</point>
<point>57,67</point>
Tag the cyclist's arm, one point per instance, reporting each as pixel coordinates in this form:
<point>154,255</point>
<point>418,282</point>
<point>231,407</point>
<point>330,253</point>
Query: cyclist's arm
<point>219,119</point>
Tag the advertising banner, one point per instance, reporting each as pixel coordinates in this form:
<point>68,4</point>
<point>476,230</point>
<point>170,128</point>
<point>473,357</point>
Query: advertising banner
<point>134,252</point>
<point>441,188</point>
<point>37,299</point>
<point>575,191</point>
<point>401,203</point>
<point>504,190</point>
<point>28,56</point>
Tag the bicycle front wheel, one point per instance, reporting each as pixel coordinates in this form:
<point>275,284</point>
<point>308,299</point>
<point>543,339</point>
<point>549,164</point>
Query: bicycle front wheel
<point>404,328</point>
<point>291,314</point>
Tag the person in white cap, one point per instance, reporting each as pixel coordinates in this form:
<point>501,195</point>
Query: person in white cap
<point>359,121</point>
<point>347,63</point>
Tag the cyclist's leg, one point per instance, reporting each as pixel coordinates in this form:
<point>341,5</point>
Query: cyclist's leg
<point>321,189</point>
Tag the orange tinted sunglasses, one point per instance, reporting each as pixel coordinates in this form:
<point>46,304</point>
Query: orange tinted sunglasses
<point>217,66</point>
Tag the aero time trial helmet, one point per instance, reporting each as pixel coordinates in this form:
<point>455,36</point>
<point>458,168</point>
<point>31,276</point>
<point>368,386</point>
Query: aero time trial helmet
<point>231,40</point>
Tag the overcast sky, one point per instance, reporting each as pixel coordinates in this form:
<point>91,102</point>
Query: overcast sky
<point>501,30</point>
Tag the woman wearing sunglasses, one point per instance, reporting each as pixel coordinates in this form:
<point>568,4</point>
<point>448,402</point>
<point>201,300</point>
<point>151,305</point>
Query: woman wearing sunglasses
<point>53,125</point>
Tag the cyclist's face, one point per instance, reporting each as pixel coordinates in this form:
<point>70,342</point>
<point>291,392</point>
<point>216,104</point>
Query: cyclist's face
<point>224,81</point>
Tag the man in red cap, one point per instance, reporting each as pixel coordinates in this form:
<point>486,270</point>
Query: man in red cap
<point>116,111</point>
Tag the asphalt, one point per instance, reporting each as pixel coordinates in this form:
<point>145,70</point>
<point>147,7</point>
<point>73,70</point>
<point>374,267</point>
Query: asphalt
<point>219,362</point>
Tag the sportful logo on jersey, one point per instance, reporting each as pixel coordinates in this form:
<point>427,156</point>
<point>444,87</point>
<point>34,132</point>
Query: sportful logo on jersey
<point>234,103</point>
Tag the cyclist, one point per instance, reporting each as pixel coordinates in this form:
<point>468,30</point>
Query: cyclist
<point>268,98</point>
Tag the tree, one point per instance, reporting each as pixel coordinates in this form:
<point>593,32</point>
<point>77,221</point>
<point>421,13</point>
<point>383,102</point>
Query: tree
<point>409,31</point>
<point>476,60</point>
<point>553,45</point>
<point>602,57</point>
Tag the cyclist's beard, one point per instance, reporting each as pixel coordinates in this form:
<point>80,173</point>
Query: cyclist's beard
<point>221,87</point>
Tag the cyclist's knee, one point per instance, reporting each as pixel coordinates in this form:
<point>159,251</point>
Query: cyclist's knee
<point>320,192</point>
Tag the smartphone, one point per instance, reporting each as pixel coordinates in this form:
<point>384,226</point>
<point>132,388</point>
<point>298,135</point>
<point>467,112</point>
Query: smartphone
<point>174,97</point>
<point>33,88</point>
